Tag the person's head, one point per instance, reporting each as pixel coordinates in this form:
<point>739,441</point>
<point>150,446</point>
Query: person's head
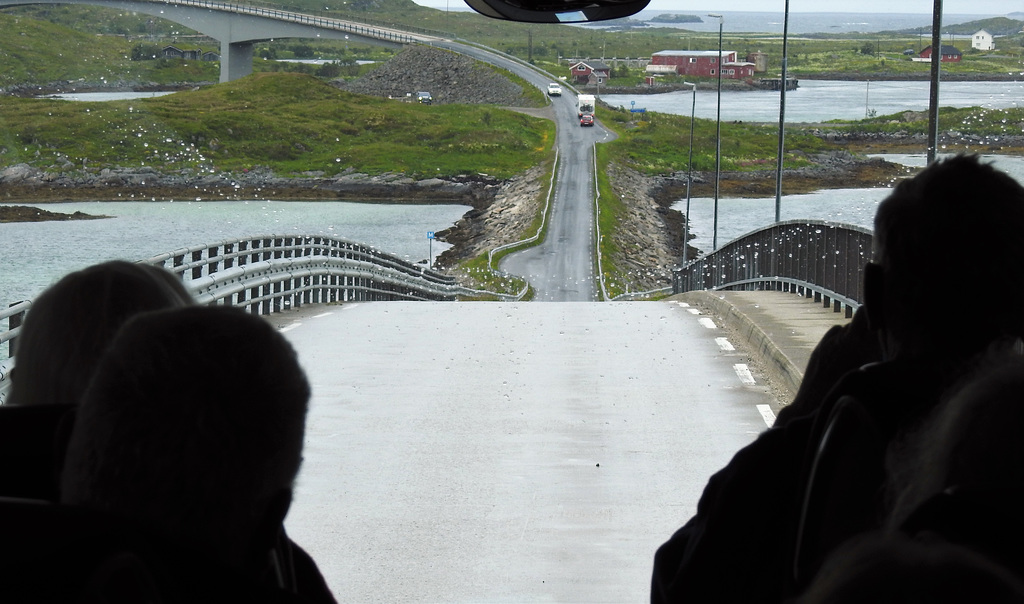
<point>942,237</point>
<point>193,427</point>
<point>72,322</point>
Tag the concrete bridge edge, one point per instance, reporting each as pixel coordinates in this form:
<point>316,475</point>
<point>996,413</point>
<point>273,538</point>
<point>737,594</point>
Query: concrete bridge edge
<point>783,372</point>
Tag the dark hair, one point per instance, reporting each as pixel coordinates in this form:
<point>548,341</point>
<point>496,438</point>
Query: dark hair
<point>942,235</point>
<point>71,323</point>
<point>193,425</point>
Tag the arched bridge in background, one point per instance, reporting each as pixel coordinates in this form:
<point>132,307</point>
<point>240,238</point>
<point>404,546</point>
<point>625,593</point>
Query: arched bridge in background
<point>238,26</point>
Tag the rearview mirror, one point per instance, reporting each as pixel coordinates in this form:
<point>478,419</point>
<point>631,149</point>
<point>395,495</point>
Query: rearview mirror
<point>557,11</point>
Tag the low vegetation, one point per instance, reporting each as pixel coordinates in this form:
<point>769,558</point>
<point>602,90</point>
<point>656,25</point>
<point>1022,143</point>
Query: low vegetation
<point>658,143</point>
<point>289,123</point>
<point>977,121</point>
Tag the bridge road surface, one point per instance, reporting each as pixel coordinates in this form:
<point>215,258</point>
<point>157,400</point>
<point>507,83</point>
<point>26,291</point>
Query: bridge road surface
<point>561,268</point>
<point>508,452</point>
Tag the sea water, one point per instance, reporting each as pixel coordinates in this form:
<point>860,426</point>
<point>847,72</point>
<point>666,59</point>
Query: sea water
<point>737,217</point>
<point>35,254</point>
<point>823,100</point>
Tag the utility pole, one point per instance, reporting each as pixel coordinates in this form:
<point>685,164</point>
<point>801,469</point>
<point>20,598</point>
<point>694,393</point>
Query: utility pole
<point>718,132</point>
<point>933,95</point>
<point>782,116</point>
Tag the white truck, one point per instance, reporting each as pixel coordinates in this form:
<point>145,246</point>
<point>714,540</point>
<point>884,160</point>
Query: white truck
<point>584,105</point>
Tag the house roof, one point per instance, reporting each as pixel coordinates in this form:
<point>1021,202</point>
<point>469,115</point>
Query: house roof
<point>689,53</point>
<point>943,49</point>
<point>594,65</point>
<point>981,31</point>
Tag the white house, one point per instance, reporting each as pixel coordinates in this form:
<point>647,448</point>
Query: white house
<point>982,40</point>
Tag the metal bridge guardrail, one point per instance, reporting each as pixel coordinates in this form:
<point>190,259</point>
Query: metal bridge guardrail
<point>266,274</point>
<point>338,24</point>
<point>272,273</point>
<point>817,259</point>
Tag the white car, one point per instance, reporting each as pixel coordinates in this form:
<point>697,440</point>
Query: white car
<point>554,89</point>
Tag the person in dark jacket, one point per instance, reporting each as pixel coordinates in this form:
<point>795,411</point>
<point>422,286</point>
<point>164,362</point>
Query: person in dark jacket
<point>742,544</point>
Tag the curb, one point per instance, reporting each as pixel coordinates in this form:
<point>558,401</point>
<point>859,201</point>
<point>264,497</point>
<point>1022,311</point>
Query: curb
<point>783,371</point>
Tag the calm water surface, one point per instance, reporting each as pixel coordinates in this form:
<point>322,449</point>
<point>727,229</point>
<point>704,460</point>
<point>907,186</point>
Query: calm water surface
<point>35,254</point>
<point>823,100</point>
<point>737,217</point>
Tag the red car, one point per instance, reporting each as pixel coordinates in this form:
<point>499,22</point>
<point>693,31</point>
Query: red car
<point>587,120</point>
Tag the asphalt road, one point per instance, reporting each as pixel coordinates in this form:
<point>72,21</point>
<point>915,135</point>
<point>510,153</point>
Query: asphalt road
<point>508,452</point>
<point>561,269</point>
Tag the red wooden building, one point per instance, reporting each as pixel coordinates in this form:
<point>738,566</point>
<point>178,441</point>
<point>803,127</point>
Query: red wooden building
<point>950,54</point>
<point>699,63</point>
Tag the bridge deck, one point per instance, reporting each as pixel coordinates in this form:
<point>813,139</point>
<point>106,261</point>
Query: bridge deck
<point>508,452</point>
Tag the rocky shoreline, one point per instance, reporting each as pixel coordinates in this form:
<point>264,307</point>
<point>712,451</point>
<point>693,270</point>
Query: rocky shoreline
<point>31,214</point>
<point>648,240</point>
<point>25,183</point>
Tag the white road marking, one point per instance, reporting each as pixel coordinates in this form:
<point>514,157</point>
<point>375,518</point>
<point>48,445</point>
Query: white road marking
<point>290,327</point>
<point>767,414</point>
<point>693,311</point>
<point>323,314</point>
<point>706,322</point>
<point>744,374</point>
<point>724,344</point>
<point>683,304</point>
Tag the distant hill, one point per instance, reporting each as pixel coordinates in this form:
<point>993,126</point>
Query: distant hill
<point>997,26</point>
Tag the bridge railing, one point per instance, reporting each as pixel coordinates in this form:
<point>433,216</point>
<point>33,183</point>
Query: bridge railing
<point>817,259</point>
<point>266,274</point>
<point>335,23</point>
<point>273,273</point>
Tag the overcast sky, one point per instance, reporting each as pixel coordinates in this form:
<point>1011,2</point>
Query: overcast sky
<point>949,7</point>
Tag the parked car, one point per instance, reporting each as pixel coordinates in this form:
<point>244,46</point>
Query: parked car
<point>587,120</point>
<point>554,89</point>
<point>424,97</point>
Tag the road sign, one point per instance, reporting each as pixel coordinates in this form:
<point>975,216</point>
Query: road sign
<point>430,234</point>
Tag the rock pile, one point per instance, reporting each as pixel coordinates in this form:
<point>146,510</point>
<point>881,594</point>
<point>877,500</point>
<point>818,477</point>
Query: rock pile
<point>447,76</point>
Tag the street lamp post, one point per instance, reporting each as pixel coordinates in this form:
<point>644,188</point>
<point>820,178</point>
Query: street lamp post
<point>782,116</point>
<point>689,175</point>
<point>718,131</point>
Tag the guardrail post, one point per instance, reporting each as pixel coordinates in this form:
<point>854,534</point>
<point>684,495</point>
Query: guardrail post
<point>197,271</point>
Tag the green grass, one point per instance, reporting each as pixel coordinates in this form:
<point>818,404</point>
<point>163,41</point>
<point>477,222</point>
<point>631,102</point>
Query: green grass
<point>290,123</point>
<point>658,143</point>
<point>976,121</point>
<point>610,211</point>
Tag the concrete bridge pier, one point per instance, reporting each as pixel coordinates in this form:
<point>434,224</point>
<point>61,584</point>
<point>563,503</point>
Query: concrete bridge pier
<point>235,60</point>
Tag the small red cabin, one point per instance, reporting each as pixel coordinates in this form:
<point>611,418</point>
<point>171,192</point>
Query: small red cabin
<point>950,54</point>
